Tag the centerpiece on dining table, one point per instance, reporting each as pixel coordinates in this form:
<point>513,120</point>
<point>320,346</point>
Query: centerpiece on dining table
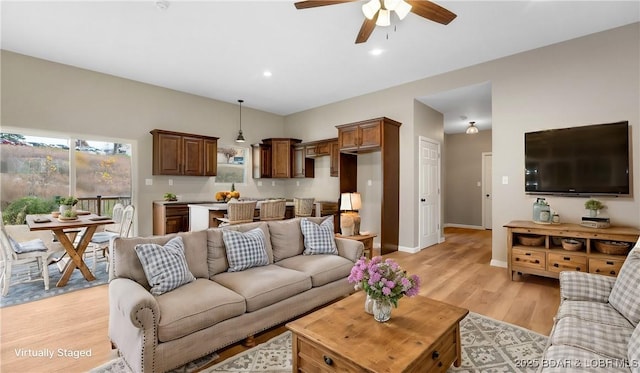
<point>384,282</point>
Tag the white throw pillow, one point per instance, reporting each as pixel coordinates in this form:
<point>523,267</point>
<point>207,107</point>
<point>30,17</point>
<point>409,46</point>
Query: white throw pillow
<point>318,238</point>
<point>164,266</point>
<point>245,249</point>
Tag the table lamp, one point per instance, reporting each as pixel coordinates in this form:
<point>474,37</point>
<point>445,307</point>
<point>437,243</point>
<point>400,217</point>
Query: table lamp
<point>350,220</point>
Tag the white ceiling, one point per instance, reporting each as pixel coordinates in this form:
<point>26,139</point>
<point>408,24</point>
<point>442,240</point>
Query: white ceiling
<point>220,49</point>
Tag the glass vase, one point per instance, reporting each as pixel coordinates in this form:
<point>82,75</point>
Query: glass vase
<point>382,309</point>
<point>368,305</point>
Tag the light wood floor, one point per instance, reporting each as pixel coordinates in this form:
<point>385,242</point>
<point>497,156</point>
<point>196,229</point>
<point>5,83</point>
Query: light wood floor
<point>456,271</point>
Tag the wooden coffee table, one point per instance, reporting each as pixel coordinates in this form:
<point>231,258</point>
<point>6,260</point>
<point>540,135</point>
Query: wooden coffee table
<point>423,335</point>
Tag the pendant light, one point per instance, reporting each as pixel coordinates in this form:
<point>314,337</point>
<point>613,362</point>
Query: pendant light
<point>472,129</point>
<point>240,138</point>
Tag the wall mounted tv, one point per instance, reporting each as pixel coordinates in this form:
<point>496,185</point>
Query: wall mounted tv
<point>578,161</point>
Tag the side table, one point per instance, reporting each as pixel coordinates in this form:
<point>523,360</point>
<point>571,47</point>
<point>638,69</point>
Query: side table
<point>366,239</point>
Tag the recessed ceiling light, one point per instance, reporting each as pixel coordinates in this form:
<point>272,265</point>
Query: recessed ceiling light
<point>376,52</point>
<point>267,73</point>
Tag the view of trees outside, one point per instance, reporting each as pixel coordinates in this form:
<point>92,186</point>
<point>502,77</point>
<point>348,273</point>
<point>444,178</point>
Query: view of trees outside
<point>41,167</point>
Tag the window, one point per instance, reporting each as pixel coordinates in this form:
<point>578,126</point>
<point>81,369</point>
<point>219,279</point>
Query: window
<point>47,167</point>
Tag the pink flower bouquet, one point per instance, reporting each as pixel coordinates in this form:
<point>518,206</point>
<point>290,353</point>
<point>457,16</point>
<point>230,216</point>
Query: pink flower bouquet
<point>383,279</point>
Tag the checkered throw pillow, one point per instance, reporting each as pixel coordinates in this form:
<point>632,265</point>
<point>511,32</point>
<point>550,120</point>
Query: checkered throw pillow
<point>318,238</point>
<point>165,266</point>
<point>245,249</point>
<point>625,295</point>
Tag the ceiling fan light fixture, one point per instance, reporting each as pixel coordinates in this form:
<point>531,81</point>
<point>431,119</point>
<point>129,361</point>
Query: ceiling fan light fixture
<point>472,129</point>
<point>384,18</point>
<point>371,8</point>
<point>402,9</point>
<point>391,4</point>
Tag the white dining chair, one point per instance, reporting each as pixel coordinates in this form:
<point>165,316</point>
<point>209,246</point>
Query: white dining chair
<point>101,240</point>
<point>24,258</point>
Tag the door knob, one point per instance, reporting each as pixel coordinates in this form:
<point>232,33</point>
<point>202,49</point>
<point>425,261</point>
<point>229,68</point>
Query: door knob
<point>423,200</point>
<point>488,195</point>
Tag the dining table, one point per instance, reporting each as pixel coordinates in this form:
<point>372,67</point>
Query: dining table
<point>87,224</point>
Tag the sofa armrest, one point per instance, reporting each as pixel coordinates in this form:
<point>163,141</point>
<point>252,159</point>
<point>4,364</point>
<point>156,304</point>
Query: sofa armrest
<point>133,323</point>
<point>585,286</point>
<point>350,249</point>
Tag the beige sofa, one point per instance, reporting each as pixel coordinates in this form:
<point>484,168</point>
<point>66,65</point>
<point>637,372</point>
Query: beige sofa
<point>159,333</point>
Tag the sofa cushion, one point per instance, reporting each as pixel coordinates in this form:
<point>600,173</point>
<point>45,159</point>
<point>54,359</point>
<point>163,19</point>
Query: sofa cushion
<point>322,269</point>
<point>245,249</point>
<point>318,238</point>
<point>264,286</point>
<point>286,238</point>
<point>606,340</point>
<point>601,313</point>
<point>576,285</point>
<point>164,266</point>
<point>625,295</point>
<point>570,359</point>
<point>196,306</point>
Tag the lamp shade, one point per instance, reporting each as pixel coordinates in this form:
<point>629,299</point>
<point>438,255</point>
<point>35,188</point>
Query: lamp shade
<point>350,201</point>
<point>472,129</point>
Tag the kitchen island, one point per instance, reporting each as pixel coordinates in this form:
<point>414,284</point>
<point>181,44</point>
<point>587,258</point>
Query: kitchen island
<point>205,215</point>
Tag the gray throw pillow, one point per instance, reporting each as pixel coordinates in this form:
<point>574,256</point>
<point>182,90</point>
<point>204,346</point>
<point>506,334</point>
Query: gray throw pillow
<point>164,266</point>
<point>318,238</point>
<point>245,249</point>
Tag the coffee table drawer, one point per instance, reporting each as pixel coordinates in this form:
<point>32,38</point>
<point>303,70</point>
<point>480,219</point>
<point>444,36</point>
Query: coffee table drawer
<point>441,356</point>
<point>313,358</point>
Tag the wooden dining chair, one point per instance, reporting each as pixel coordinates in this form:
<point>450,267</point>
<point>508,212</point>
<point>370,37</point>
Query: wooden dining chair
<point>26,257</point>
<point>238,212</point>
<point>272,209</point>
<point>303,207</point>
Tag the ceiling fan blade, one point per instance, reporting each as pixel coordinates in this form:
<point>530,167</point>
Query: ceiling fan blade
<point>367,28</point>
<point>431,11</point>
<point>316,3</point>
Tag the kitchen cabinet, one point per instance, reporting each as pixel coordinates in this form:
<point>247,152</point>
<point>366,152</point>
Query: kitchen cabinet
<point>170,218</point>
<point>334,163</point>
<point>362,136</point>
<point>302,166</point>
<point>278,153</point>
<point>176,153</point>
<point>383,135</point>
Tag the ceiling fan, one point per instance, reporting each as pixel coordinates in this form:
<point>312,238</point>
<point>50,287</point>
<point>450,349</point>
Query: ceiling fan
<point>378,12</point>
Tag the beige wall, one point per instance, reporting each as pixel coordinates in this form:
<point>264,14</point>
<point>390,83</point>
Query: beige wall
<point>42,95</point>
<point>463,154</point>
<point>594,79</point>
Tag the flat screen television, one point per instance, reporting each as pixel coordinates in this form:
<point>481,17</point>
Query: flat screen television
<point>578,161</point>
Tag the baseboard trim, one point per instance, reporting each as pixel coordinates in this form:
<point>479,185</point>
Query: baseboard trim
<point>498,263</point>
<point>411,250</point>
<point>453,225</point>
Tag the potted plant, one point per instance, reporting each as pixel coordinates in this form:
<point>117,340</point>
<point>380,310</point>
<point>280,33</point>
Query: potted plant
<point>67,203</point>
<point>593,205</point>
<point>170,197</point>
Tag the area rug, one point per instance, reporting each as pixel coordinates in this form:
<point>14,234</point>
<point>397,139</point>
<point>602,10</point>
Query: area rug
<point>488,345</point>
<point>31,291</point>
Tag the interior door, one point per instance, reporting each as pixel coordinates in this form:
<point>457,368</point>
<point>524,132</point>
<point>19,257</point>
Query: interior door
<point>487,196</point>
<point>429,192</point>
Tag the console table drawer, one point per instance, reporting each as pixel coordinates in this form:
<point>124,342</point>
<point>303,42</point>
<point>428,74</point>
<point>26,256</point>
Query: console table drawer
<point>563,262</point>
<point>529,259</point>
<point>608,267</point>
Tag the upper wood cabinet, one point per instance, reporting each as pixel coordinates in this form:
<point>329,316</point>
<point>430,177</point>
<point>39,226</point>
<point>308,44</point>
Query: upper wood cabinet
<point>365,136</point>
<point>302,166</point>
<point>176,153</point>
<point>334,163</point>
<point>278,153</point>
